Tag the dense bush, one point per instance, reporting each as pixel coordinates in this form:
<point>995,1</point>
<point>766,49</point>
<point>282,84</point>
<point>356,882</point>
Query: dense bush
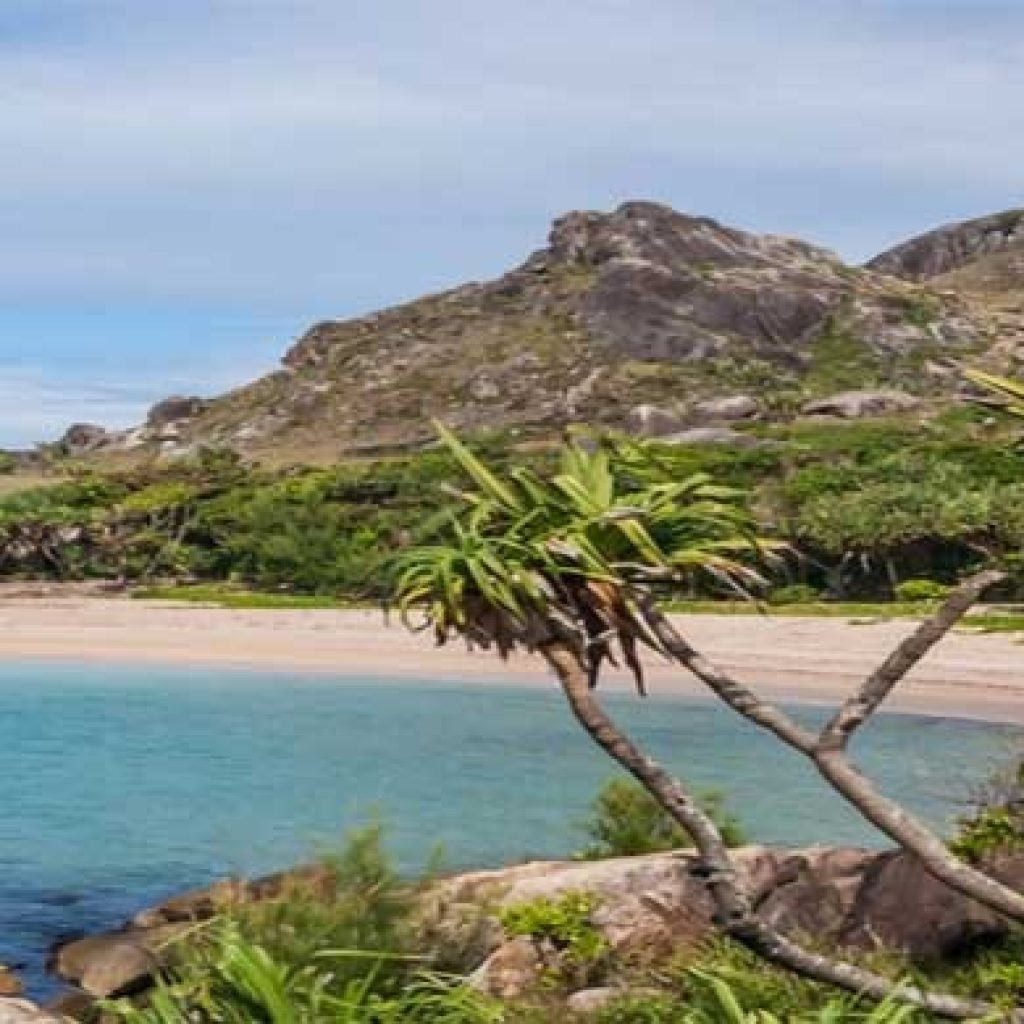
<point>868,504</point>
<point>625,821</point>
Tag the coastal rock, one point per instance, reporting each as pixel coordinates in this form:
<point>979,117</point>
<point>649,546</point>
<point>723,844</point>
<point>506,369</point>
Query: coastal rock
<point>115,963</point>
<point>856,404</point>
<point>647,907</point>
<point>900,906</point>
<point>511,971</point>
<point>21,1011</point>
<point>10,983</point>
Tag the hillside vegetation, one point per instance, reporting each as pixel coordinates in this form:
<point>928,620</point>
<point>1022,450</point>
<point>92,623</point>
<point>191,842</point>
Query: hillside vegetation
<point>870,505</point>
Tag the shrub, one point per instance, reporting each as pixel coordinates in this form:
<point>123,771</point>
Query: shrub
<point>627,821</point>
<point>921,590</point>
<point>355,900</point>
<point>998,820</point>
<point>566,926</point>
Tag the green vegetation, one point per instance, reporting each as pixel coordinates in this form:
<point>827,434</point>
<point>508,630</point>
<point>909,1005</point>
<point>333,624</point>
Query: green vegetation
<point>997,822</point>
<point>344,944</point>
<point>564,928</point>
<point>869,505</point>
<point>626,820</point>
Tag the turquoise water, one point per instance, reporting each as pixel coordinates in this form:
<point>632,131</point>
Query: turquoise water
<point>120,786</point>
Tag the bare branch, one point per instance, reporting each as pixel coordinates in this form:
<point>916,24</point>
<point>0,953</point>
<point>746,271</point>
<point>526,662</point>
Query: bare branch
<point>734,911</point>
<point>738,696</point>
<point>884,813</point>
<point>877,687</point>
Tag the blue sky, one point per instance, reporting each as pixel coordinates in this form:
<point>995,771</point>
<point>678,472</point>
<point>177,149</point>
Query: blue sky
<point>185,186</point>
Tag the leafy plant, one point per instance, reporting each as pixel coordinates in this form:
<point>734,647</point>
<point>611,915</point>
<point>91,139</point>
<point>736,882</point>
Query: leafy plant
<point>921,590</point>
<point>626,820</point>
<point>565,928</point>
<point>795,593</point>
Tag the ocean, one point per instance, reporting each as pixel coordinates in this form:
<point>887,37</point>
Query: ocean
<point>120,786</point>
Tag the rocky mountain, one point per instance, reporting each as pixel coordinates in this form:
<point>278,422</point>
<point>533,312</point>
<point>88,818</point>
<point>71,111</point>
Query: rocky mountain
<point>641,317</point>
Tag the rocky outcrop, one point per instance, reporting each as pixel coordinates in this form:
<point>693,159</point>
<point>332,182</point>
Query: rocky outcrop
<point>951,247</point>
<point>81,438</point>
<point>647,907</point>
<point>640,305</point>
<point>173,409</point>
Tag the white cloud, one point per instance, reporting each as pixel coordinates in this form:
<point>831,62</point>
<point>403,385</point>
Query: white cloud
<point>326,156</point>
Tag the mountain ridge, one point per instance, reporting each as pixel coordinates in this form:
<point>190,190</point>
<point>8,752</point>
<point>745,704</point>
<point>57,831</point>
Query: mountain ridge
<point>639,307</point>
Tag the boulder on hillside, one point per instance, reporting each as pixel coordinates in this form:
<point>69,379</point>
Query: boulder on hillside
<point>711,435</point>
<point>952,246</point>
<point>728,408</point>
<point>853,405</point>
<point>177,407</point>
<point>653,421</point>
<point>80,438</point>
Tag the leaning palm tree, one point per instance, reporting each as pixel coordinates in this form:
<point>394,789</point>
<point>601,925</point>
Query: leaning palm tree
<point>572,566</point>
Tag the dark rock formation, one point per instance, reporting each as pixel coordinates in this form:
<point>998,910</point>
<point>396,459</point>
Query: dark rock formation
<point>951,247</point>
<point>177,407</point>
<point>80,438</point>
<point>639,306</point>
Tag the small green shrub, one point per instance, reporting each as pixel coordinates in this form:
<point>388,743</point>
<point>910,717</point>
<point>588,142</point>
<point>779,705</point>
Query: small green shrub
<point>796,593</point>
<point>566,926</point>
<point>921,590</point>
<point>994,829</point>
<point>626,821</point>
<point>997,823</point>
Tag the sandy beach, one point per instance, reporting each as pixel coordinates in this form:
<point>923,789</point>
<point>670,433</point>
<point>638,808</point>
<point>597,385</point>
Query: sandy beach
<point>792,659</point>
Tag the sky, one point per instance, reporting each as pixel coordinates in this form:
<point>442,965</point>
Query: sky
<point>186,186</point>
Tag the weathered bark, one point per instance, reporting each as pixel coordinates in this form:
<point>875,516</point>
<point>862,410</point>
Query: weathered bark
<point>827,750</point>
<point>734,913</point>
<point>877,687</point>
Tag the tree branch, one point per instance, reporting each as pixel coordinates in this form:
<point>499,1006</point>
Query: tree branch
<point>734,913</point>
<point>885,814</point>
<point>877,687</point>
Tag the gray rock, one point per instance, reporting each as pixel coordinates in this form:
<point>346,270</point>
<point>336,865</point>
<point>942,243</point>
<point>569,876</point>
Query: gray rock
<point>483,389</point>
<point>593,1000</point>
<point>900,906</point>
<point>80,438</point>
<point>728,408</point>
<point>710,435</point>
<point>856,404</point>
<point>177,407</point>
<point>21,1011</point>
<point>951,247</point>
<point>653,421</point>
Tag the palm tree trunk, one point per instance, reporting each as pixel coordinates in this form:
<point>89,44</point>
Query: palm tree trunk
<point>734,913</point>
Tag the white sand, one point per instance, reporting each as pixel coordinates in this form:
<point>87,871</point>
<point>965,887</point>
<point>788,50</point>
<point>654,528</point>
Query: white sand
<point>796,659</point>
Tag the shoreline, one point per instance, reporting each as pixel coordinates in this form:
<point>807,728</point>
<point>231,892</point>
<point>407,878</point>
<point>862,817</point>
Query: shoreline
<point>811,661</point>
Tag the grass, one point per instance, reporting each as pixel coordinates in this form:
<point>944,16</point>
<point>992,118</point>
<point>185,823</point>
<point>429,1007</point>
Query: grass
<point>225,597</point>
